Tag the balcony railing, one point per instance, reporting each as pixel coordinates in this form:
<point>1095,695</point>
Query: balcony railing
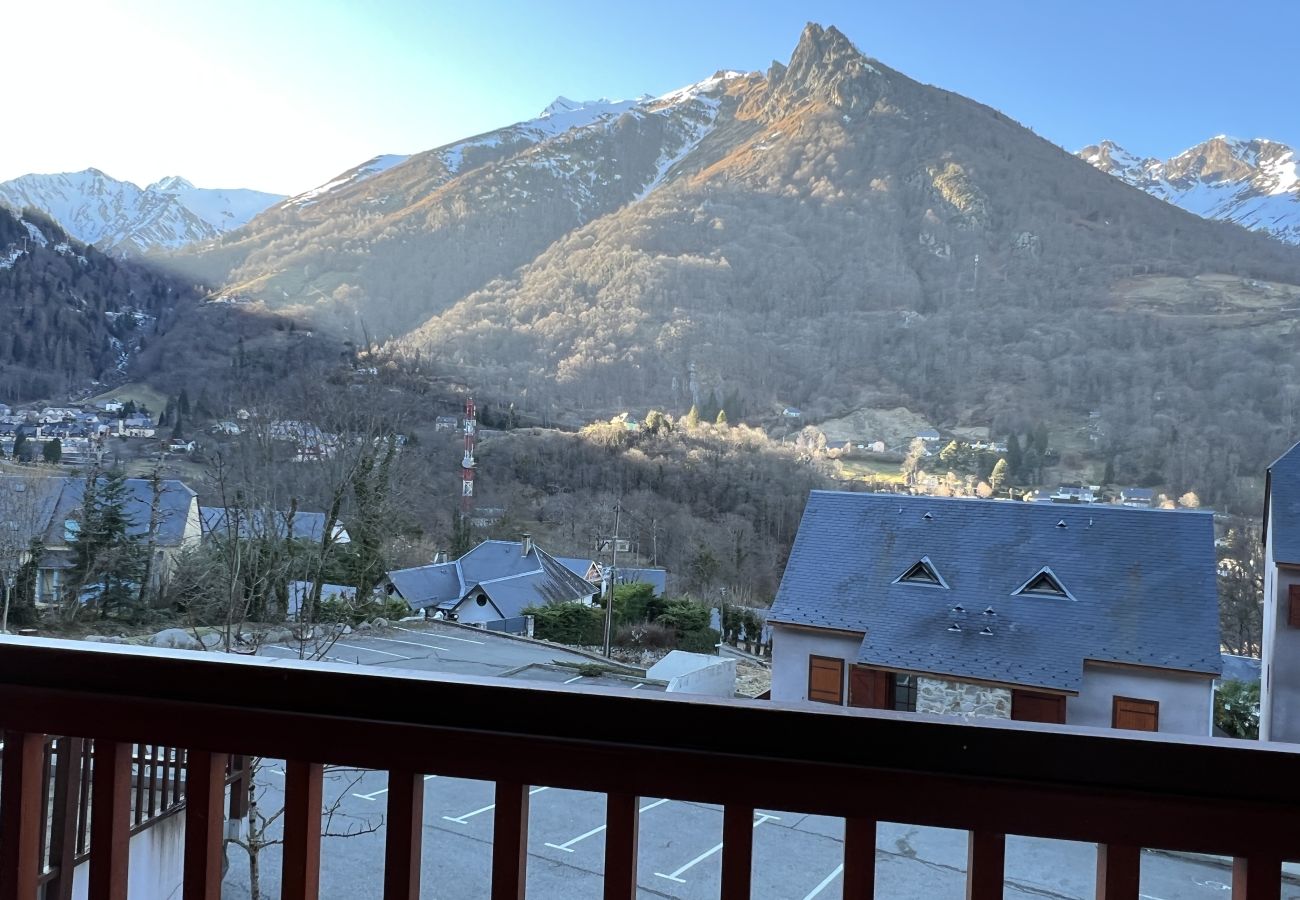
<point>1121,791</point>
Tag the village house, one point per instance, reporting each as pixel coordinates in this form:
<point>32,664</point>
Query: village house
<point>1083,615</point>
<point>496,580</point>
<point>223,524</point>
<point>138,426</point>
<point>51,507</point>
<point>1279,706</point>
<point>1137,497</point>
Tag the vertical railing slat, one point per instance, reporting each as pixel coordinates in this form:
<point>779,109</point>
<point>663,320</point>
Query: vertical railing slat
<point>138,813</point>
<point>1119,870</point>
<point>83,798</point>
<point>110,820</point>
<point>859,859</point>
<point>1256,878</point>
<point>21,809</point>
<point>622,827</point>
<point>510,841</point>
<point>65,814</point>
<point>985,859</point>
<point>737,851</point>
<point>300,876</point>
<point>405,829</point>
<point>205,793</point>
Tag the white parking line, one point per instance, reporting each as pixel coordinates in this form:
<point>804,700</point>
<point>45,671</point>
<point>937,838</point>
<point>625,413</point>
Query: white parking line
<point>373,794</point>
<point>573,679</point>
<point>441,636</point>
<point>461,820</point>
<point>762,817</point>
<point>825,882</point>
<point>567,846</point>
<point>411,644</point>
<point>371,650</point>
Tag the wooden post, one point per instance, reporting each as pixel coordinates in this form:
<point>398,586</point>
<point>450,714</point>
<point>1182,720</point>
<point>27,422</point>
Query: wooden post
<point>859,859</point>
<point>300,877</point>
<point>404,836</point>
<point>21,807</point>
<point>1118,871</point>
<point>110,820</point>
<point>737,851</point>
<point>622,827</point>
<point>1256,878</point>
<point>205,791</point>
<point>510,841</point>
<point>985,858</point>
<point>63,831</point>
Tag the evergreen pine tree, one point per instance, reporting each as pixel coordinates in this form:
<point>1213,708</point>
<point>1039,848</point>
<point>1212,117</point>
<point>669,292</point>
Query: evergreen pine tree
<point>1015,459</point>
<point>183,404</point>
<point>107,563</point>
<point>693,418</point>
<point>1108,477</point>
<point>998,478</point>
<point>721,420</point>
<point>52,452</point>
<point>22,452</point>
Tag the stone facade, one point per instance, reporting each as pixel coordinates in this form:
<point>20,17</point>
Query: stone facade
<point>935,695</point>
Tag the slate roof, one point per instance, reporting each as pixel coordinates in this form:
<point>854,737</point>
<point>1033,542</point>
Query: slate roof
<point>1143,583</point>
<point>1241,668</point>
<point>307,526</point>
<point>658,578</point>
<point>512,580</point>
<point>60,498</point>
<point>576,565</point>
<point>1282,497</point>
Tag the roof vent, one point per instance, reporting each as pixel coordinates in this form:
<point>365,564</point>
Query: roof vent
<point>990,612</point>
<point>928,516</point>
<point>1061,524</point>
<point>19,487</point>
<point>1044,582</point>
<point>986,631</point>
<point>922,572</point>
<point>954,627</point>
<point>959,609</point>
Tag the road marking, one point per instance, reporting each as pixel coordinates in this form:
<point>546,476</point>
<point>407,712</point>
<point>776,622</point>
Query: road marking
<point>460,820</point>
<point>762,817</point>
<point>639,684</point>
<point>411,644</point>
<point>297,655</point>
<point>371,650</point>
<point>825,882</point>
<point>373,794</point>
<point>573,679</point>
<point>440,635</point>
<point>568,845</point>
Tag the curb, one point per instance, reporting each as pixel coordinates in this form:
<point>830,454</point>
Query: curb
<point>1290,871</point>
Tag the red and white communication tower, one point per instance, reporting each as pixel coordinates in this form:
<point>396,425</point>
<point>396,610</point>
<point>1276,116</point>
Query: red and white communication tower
<point>467,464</point>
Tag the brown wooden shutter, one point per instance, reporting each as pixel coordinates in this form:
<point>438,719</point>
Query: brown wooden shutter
<point>1136,715</point>
<point>826,680</point>
<point>869,688</point>
<point>1293,606</point>
<point>1031,706</point>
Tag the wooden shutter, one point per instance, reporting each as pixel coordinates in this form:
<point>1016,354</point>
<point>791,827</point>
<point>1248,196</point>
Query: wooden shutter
<point>826,680</point>
<point>1031,706</point>
<point>1293,606</point>
<point>869,688</point>
<point>1136,715</point>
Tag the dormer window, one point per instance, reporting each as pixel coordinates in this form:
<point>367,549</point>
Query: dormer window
<point>1044,583</point>
<point>922,572</point>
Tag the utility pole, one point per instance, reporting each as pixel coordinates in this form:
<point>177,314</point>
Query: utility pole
<point>613,574</point>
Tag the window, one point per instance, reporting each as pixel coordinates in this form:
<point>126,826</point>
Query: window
<point>870,688</point>
<point>1135,715</point>
<point>481,600</point>
<point>922,572</point>
<point>1044,582</point>
<point>826,680</point>
<point>1032,706</point>
<point>904,692</point>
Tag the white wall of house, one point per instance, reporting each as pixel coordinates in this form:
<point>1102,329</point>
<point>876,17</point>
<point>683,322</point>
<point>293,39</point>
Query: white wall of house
<point>471,613</point>
<point>156,863</point>
<point>1280,673</point>
<point>791,648</point>
<point>1186,700</point>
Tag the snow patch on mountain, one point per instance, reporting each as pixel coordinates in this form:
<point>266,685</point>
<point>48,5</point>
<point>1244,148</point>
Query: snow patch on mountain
<point>367,169</point>
<point>1253,183</point>
<point>118,216</point>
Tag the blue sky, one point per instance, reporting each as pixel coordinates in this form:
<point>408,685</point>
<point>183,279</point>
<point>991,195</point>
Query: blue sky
<point>282,95</point>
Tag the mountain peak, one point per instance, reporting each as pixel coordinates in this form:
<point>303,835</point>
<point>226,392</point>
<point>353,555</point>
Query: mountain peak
<point>826,66</point>
<point>172,184</point>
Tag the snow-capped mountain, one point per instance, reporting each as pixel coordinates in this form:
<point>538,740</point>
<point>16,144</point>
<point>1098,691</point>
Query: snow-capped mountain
<point>120,217</point>
<point>1253,183</point>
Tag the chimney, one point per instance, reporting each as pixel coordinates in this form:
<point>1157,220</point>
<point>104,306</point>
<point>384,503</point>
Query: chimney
<point>525,544</point>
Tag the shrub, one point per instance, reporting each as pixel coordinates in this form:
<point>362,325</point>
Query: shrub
<point>1236,709</point>
<point>702,640</point>
<point>685,616</point>
<point>645,636</point>
<point>568,623</point>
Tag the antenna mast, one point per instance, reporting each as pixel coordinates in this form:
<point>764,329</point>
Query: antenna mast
<point>467,463</point>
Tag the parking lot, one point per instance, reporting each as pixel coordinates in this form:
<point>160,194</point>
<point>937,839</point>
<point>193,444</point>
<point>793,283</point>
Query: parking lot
<point>795,856</point>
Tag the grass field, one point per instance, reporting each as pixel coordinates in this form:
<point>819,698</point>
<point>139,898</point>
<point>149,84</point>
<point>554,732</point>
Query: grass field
<point>140,394</point>
<point>869,470</point>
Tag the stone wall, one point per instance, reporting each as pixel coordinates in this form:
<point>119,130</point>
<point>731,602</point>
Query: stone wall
<point>934,695</point>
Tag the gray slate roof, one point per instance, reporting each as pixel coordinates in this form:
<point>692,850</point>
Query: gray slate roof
<point>512,580</point>
<point>1241,668</point>
<point>307,526</point>
<point>1282,498</point>
<point>58,499</point>
<point>657,578</point>
<point>1143,583</point>
<point>576,565</point>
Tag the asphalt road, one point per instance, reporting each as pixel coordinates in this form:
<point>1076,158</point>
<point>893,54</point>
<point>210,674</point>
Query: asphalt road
<point>796,856</point>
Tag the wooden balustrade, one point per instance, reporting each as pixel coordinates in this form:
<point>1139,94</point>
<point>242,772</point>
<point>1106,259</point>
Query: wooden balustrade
<point>1123,791</point>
